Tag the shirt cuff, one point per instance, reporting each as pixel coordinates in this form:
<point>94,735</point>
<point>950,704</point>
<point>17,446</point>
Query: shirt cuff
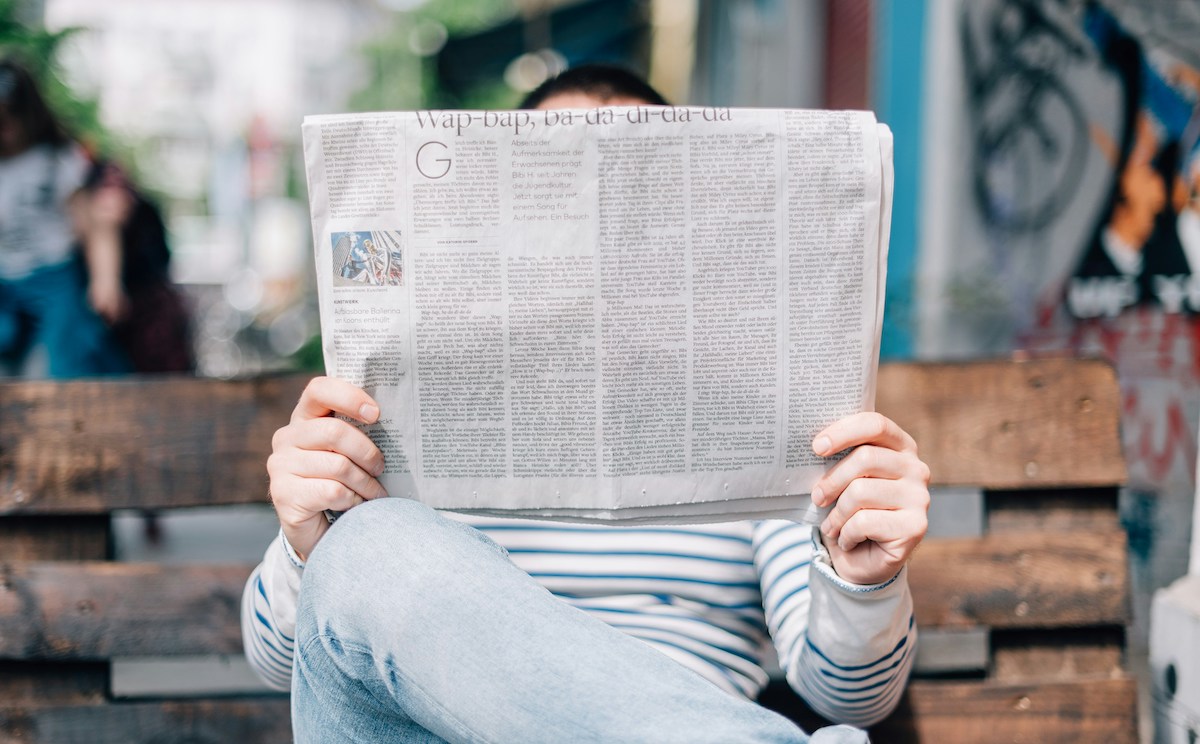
<point>824,566</point>
<point>290,551</point>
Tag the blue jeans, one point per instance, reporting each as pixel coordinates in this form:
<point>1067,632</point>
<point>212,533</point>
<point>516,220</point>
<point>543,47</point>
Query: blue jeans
<point>414,628</point>
<point>49,308</point>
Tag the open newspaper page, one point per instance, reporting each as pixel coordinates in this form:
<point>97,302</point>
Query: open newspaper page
<point>640,314</point>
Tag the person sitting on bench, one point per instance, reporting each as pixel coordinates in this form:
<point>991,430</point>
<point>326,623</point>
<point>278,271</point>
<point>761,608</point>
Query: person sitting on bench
<point>399,623</point>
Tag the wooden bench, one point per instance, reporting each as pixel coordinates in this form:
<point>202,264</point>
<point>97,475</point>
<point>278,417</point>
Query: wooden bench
<point>1023,614</point>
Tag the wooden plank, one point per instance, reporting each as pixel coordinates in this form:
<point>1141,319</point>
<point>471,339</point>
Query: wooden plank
<point>252,721</point>
<point>94,611</point>
<point>1009,424</point>
<point>1021,656</point>
<point>94,445</point>
<point>1022,580</point>
<point>74,447</point>
<point>70,537</point>
<point>39,683</point>
<point>1094,710</point>
<point>1067,510</point>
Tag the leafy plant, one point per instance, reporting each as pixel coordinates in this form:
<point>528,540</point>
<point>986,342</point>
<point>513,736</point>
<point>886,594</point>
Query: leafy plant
<point>38,49</point>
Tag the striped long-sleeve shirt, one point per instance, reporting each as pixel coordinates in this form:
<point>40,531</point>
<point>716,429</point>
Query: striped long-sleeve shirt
<point>713,597</point>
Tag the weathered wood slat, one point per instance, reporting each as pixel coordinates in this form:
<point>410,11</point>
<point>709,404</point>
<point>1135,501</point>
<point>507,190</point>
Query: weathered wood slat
<point>1040,423</point>
<point>91,446</point>
<point>73,447</point>
<point>39,683</point>
<point>1074,509</point>
<point>1058,654</point>
<point>100,610</point>
<point>1093,710</point>
<point>248,721</point>
<point>1026,580</point>
<point>60,537</point>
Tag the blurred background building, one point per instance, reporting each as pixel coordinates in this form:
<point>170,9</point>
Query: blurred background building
<point>1047,170</point>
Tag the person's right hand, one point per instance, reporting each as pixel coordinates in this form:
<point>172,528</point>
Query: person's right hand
<point>319,462</point>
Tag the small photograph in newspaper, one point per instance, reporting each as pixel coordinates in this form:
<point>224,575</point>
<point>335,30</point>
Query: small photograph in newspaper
<point>622,314</point>
<point>372,257</point>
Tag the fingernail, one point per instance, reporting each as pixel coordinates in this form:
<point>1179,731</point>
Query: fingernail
<point>368,413</point>
<point>821,445</point>
<point>378,470</point>
<point>818,497</point>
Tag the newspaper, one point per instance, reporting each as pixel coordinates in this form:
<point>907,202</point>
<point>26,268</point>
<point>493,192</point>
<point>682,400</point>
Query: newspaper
<point>633,314</point>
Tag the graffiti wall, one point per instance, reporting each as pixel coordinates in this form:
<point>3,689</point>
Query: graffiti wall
<point>1074,198</point>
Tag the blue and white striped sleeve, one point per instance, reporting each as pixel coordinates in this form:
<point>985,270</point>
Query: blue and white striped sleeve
<point>269,614</point>
<point>846,649</point>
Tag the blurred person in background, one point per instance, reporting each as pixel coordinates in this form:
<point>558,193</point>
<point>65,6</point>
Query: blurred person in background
<point>84,260</point>
<point>399,623</point>
<point>44,212</point>
<point>154,327</point>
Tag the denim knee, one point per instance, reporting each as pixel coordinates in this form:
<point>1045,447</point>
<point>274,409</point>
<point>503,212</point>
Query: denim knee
<point>382,554</point>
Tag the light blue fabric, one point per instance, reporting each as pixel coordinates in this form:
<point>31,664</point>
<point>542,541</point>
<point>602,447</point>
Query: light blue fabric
<point>464,646</point>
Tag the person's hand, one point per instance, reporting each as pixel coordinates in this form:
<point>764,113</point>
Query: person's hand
<point>98,218</point>
<point>319,462</point>
<point>109,206</point>
<point>880,497</point>
<point>108,299</point>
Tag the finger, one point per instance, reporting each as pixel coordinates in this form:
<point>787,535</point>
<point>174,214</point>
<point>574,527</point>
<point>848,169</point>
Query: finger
<point>335,467</point>
<point>331,435</point>
<point>326,395</point>
<point>867,461</point>
<point>896,532</point>
<point>862,428</point>
<point>326,494</point>
<point>300,499</point>
<point>868,493</point>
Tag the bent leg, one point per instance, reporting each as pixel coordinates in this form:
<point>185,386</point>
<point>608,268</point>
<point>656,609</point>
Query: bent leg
<point>411,625</point>
<point>77,341</point>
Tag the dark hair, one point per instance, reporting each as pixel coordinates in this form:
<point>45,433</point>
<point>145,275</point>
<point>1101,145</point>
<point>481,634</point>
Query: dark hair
<point>19,93</point>
<point>600,81</point>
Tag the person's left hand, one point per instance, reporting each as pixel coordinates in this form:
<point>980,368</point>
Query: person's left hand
<point>880,497</point>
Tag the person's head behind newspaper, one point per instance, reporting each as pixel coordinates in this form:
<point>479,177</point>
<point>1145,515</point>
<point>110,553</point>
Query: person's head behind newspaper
<point>25,118</point>
<point>587,86</point>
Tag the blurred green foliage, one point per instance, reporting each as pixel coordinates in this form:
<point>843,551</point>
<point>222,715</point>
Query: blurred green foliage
<point>461,17</point>
<point>399,78</point>
<point>310,357</point>
<point>37,49</point>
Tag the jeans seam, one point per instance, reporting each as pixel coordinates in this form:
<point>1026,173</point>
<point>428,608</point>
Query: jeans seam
<point>364,651</point>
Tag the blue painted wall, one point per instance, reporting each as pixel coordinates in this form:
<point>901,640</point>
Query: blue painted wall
<point>898,61</point>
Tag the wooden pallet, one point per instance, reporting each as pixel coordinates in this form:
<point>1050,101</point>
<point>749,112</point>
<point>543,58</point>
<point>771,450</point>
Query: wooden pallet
<point>1023,619</point>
